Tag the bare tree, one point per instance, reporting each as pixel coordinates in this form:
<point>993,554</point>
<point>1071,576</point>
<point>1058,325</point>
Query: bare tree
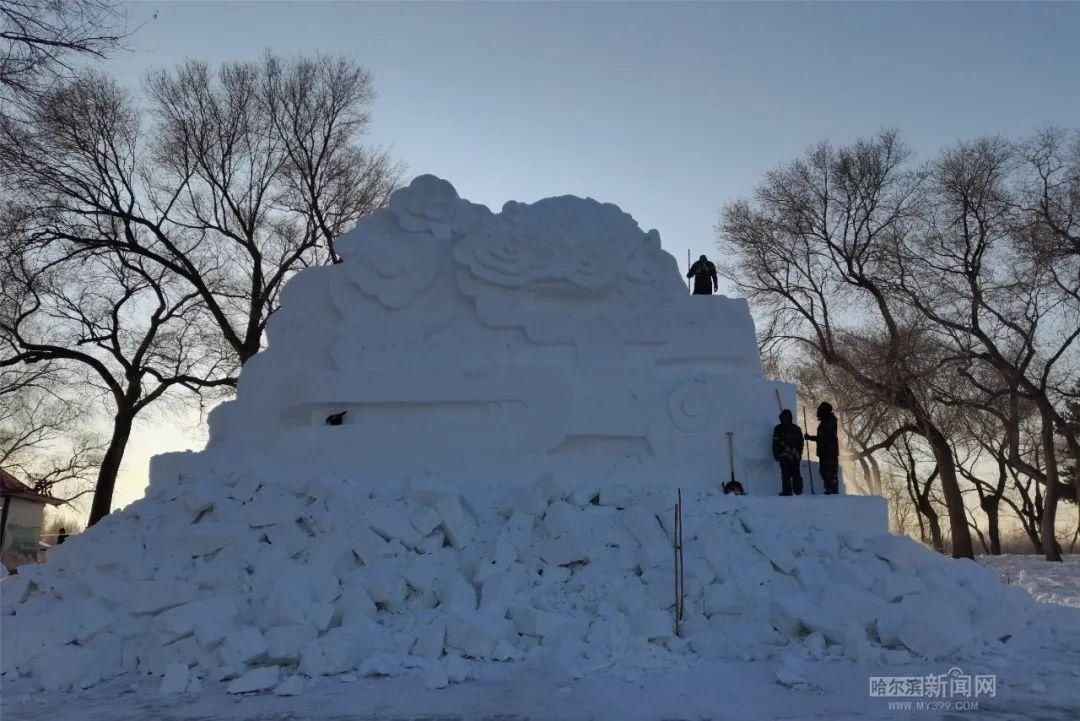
<point>813,254</point>
<point>245,176</point>
<point>44,438</point>
<point>905,458</point>
<point>133,331</point>
<point>968,266</point>
<point>40,41</point>
<point>150,255</point>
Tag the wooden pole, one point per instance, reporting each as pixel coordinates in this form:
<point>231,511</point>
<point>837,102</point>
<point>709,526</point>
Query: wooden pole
<point>680,587</point>
<point>809,468</point>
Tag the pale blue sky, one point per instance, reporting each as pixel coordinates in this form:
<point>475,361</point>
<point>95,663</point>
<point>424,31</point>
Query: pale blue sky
<point>667,109</point>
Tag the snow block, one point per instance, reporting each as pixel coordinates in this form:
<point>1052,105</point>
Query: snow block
<point>284,643</point>
<point>209,614</point>
<point>431,640</point>
<point>435,677</point>
<point>176,679</point>
<point>456,595</point>
<point>336,652</point>
<point>152,597</point>
<point>257,679</point>
<point>476,634</point>
<point>205,538</point>
<point>243,647</point>
<point>393,525</point>
<point>425,520</point>
<point>292,686</point>
<point>13,591</point>
<point>65,667</point>
<point>455,520</point>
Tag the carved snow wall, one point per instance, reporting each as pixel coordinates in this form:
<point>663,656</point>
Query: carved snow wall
<point>555,339</point>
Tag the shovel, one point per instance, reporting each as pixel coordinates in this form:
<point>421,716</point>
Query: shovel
<point>731,453</point>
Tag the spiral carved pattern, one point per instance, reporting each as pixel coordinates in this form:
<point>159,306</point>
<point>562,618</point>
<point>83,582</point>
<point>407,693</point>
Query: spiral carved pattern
<point>690,407</point>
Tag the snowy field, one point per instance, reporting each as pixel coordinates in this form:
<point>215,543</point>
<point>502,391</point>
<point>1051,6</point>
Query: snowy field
<point>1038,681</point>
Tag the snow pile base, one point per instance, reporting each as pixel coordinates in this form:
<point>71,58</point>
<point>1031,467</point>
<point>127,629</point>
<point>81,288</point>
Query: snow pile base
<point>255,585</point>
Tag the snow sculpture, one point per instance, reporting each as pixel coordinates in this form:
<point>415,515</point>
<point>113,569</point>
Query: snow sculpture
<point>467,346</point>
<point>520,393</point>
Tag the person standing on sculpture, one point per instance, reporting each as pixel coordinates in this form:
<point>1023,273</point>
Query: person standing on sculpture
<point>787,447</point>
<point>704,274</point>
<point>828,448</point>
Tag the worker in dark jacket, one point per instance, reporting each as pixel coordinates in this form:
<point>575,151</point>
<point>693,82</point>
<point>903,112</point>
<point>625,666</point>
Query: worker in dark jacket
<point>787,445</point>
<point>828,448</point>
<point>704,274</point>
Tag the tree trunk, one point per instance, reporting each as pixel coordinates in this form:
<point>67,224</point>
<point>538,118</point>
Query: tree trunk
<point>875,472</point>
<point>926,510</point>
<point>110,465</point>
<point>990,508</point>
<point>954,500</point>
<point>1049,518</point>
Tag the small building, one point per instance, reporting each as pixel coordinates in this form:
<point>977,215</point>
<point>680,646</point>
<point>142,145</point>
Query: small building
<point>20,521</point>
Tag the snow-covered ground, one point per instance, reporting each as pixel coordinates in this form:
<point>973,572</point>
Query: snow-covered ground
<point>1047,582</point>
<point>1038,679</point>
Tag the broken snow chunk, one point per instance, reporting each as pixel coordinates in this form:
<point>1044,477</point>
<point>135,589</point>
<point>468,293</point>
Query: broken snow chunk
<point>773,549</point>
<point>199,496</point>
<point>561,518</point>
<point>64,667</point>
<point>646,529</point>
<point>209,615</point>
<point>457,669</point>
<point>653,625</point>
<point>427,572</point>
<point>245,487</point>
<point>435,677</point>
<point>391,524</point>
<point>384,583</point>
<point>205,538</point>
<point>456,595</point>
<point>257,679</point>
<point>151,597</point>
<point>476,634</point>
<point>562,551</point>
<point>425,520</point>
<point>175,680</point>
<point>380,664</point>
<point>455,520</point>
<point>13,591</point>
<point>243,647</point>
<point>368,546</point>
<point>284,643</point>
<point>292,686</point>
<point>336,652</point>
<point>901,551</point>
<point>430,642</point>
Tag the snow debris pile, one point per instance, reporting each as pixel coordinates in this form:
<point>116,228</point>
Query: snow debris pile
<point>514,397</point>
<point>258,586</point>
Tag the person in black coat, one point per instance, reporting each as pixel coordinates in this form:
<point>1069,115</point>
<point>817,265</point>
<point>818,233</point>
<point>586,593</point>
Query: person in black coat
<point>787,447</point>
<point>828,448</point>
<point>704,274</point>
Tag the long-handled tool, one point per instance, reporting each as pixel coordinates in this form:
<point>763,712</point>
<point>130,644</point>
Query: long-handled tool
<point>689,280</point>
<point>809,468</point>
<point>680,593</point>
<point>731,453</point>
